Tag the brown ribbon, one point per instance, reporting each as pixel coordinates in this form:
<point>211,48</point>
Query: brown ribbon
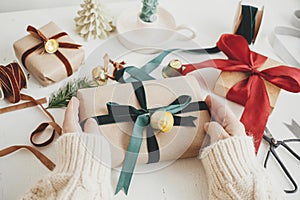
<point>12,80</point>
<point>38,34</point>
<point>46,161</point>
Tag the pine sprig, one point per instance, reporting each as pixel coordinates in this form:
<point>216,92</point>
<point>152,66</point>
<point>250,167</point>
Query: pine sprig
<point>62,97</point>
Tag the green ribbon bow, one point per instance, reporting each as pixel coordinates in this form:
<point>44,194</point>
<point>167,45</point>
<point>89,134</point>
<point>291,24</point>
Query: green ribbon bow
<point>142,121</point>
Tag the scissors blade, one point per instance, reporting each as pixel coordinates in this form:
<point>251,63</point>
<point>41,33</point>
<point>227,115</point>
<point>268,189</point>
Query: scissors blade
<point>294,127</point>
<point>268,133</point>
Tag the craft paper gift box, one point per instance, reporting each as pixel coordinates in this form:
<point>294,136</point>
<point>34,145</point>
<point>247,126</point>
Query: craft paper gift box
<point>227,80</point>
<point>249,79</point>
<point>48,67</point>
<point>180,142</point>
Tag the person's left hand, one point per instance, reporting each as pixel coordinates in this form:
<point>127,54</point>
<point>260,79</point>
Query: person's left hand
<point>71,120</point>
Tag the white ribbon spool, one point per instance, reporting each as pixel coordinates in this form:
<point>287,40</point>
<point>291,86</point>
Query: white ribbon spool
<point>278,46</point>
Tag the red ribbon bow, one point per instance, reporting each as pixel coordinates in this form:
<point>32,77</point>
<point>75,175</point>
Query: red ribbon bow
<point>44,39</point>
<point>250,92</point>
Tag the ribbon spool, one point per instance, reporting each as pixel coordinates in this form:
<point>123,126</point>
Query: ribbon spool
<point>12,81</point>
<point>279,47</point>
<point>247,22</point>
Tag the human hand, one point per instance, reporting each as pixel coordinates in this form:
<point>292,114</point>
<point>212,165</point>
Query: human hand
<point>71,120</point>
<point>225,125</point>
<point>89,155</point>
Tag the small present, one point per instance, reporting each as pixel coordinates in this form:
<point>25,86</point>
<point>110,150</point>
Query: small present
<point>249,79</point>
<point>228,79</point>
<point>252,80</point>
<point>49,53</point>
<point>136,117</point>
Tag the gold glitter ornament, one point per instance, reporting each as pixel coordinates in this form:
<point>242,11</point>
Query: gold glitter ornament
<point>162,120</point>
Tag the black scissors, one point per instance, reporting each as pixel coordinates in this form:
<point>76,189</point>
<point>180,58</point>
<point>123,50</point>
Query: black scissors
<point>273,145</point>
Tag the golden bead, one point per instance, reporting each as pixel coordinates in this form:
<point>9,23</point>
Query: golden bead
<point>99,75</point>
<point>172,69</point>
<point>51,46</point>
<point>175,64</point>
<point>162,120</point>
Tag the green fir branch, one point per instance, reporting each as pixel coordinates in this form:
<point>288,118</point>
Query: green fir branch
<point>62,97</point>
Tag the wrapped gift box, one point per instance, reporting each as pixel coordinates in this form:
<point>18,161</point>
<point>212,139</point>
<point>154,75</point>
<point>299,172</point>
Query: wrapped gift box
<point>46,67</point>
<point>180,142</point>
<point>227,80</point>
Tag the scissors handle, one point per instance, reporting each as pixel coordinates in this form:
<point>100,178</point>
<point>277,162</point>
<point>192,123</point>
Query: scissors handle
<point>287,173</point>
<point>291,150</point>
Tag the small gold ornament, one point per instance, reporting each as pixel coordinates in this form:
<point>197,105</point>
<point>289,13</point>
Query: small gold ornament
<point>100,75</point>
<point>172,69</point>
<point>162,120</point>
<point>51,46</point>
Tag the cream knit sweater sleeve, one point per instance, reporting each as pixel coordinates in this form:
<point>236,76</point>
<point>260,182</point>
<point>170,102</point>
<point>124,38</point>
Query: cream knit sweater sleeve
<point>82,171</point>
<point>233,171</point>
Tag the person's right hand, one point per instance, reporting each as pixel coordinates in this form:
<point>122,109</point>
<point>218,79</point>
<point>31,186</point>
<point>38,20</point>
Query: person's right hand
<point>225,125</point>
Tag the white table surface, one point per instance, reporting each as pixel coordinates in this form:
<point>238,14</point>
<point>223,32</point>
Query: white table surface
<point>184,179</point>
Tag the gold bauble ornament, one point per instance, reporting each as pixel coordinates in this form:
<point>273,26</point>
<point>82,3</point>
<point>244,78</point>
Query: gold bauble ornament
<point>100,75</point>
<point>51,46</point>
<point>162,120</point>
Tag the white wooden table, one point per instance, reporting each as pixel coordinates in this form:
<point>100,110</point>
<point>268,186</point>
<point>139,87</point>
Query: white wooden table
<point>184,179</point>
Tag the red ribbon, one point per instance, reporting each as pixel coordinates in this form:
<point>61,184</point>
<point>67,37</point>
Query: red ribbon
<point>38,34</point>
<point>250,92</point>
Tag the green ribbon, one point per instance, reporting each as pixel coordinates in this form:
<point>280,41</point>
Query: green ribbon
<point>142,74</point>
<point>142,121</point>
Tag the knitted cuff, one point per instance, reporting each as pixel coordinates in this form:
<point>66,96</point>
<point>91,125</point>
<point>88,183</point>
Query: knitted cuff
<point>84,153</point>
<point>229,159</point>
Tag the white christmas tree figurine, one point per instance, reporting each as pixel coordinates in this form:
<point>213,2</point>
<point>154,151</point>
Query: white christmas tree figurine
<point>93,21</point>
